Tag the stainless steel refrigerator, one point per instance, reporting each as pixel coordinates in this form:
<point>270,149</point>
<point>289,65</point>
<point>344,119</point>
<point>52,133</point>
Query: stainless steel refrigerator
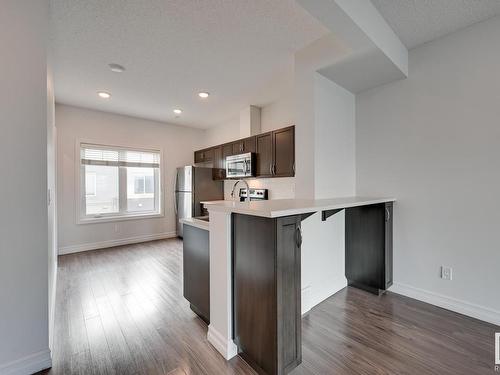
<point>192,186</point>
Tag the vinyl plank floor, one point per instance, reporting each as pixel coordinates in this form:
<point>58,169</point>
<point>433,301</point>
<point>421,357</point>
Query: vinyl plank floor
<point>121,311</point>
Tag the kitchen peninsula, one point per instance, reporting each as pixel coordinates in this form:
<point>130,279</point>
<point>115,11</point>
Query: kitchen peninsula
<point>255,271</point>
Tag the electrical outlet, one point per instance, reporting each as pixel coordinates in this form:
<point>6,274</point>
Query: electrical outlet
<point>446,273</point>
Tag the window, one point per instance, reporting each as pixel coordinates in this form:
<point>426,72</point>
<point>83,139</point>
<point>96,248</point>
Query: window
<point>118,182</point>
<point>90,184</point>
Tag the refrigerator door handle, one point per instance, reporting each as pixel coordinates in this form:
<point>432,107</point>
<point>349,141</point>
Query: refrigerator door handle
<point>175,194</point>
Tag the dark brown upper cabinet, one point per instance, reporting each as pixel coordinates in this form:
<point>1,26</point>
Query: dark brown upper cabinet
<point>198,156</point>
<point>227,150</point>
<point>275,153</point>
<point>244,145</point>
<point>203,156</point>
<point>264,155</point>
<point>219,163</point>
<point>284,152</point>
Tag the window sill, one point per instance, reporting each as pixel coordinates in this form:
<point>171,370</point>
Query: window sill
<point>108,219</point>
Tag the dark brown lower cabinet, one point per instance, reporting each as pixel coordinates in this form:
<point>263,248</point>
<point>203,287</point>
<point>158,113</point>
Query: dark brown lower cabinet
<point>196,270</point>
<point>267,282</point>
<point>368,247</point>
<point>266,292</point>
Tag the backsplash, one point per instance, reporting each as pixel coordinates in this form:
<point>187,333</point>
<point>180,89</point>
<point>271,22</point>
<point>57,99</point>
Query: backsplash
<point>279,188</point>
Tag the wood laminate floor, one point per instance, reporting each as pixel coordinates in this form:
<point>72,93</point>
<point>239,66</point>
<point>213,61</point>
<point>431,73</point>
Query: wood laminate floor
<point>121,311</point>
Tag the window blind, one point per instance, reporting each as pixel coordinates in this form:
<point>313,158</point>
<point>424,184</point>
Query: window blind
<point>117,157</point>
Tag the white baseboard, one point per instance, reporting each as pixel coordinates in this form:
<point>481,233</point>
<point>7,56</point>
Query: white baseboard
<point>28,365</point>
<point>111,243</point>
<point>315,294</point>
<point>462,307</point>
<point>225,347</point>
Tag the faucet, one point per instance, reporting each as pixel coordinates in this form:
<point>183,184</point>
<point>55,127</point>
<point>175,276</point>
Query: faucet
<point>248,189</point>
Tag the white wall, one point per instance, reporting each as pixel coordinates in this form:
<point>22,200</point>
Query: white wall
<point>24,342</point>
<point>278,188</point>
<point>278,114</point>
<point>177,144</point>
<point>334,143</point>
<point>225,132</point>
<point>323,247</point>
<point>52,197</point>
<point>433,142</point>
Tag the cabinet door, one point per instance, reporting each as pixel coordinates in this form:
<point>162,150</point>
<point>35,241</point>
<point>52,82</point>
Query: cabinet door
<point>238,147</point>
<point>264,154</point>
<point>254,279</point>
<point>196,266</point>
<point>288,292</point>
<point>218,163</point>
<point>388,245</point>
<point>267,268</point>
<point>198,156</point>
<point>249,144</point>
<point>284,152</point>
<point>217,157</point>
<point>208,155</point>
<point>365,247</point>
<point>227,150</point>
<point>244,145</point>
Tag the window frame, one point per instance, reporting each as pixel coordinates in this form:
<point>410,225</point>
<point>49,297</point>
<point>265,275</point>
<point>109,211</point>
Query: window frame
<point>122,215</point>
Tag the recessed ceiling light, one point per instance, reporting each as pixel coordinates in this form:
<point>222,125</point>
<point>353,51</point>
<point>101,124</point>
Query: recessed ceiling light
<point>177,111</point>
<point>104,94</point>
<point>117,68</point>
<point>203,95</point>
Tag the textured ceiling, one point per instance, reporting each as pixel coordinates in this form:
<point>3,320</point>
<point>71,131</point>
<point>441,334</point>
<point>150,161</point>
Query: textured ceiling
<point>420,21</point>
<point>240,51</point>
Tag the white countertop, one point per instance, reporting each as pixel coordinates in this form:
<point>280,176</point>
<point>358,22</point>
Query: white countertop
<point>214,202</point>
<point>202,224</point>
<point>285,207</point>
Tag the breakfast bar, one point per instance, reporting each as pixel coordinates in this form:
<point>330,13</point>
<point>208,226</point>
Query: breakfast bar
<point>255,271</point>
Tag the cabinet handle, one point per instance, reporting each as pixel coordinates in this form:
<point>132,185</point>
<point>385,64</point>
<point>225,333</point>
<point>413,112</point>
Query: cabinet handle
<point>274,169</point>
<point>270,169</point>
<point>298,237</point>
<point>388,216</point>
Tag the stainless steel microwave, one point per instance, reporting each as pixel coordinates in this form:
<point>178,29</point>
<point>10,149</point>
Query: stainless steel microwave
<point>242,165</point>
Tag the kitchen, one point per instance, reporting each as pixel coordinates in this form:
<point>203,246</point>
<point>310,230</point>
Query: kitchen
<point>249,187</point>
<point>270,154</point>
